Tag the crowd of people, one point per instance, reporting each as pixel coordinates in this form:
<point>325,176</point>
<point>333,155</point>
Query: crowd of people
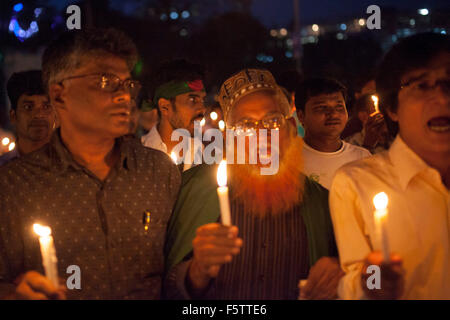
<point>95,161</point>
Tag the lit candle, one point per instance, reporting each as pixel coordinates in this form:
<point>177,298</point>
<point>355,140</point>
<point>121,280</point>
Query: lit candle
<point>375,104</point>
<point>11,146</point>
<point>174,157</point>
<point>5,141</point>
<point>221,125</point>
<point>48,253</point>
<point>381,213</point>
<point>222,192</point>
<point>214,115</point>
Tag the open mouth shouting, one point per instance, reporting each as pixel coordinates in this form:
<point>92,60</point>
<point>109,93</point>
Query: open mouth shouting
<point>439,124</point>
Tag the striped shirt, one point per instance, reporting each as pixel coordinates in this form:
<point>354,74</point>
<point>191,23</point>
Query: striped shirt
<point>273,258</point>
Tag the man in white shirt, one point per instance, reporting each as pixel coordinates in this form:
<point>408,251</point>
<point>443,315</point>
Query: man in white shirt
<point>414,88</point>
<point>322,111</point>
<point>178,96</point>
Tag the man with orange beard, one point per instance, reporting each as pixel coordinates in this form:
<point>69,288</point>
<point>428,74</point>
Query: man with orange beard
<point>281,230</point>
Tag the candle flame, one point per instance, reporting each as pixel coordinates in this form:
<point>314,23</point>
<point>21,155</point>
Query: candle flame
<point>221,125</point>
<point>222,174</point>
<point>214,115</point>
<point>11,146</point>
<point>174,157</point>
<point>202,122</point>
<point>42,231</point>
<point>375,103</point>
<point>5,141</point>
<point>380,201</point>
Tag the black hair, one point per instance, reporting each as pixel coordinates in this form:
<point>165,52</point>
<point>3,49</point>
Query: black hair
<point>316,86</point>
<point>65,53</point>
<point>363,104</point>
<point>407,55</point>
<point>26,82</point>
<point>174,70</point>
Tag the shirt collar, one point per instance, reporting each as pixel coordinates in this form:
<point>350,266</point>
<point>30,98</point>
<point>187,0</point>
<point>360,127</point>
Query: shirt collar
<point>153,140</point>
<point>406,162</point>
<point>61,158</point>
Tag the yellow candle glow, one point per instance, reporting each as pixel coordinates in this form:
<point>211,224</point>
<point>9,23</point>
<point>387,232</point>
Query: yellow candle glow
<point>221,125</point>
<point>174,157</point>
<point>11,146</point>
<point>214,115</point>
<point>5,141</point>
<point>48,252</point>
<point>375,104</point>
<point>380,202</point>
<point>222,192</point>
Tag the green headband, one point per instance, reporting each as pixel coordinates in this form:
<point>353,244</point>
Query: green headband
<point>170,90</point>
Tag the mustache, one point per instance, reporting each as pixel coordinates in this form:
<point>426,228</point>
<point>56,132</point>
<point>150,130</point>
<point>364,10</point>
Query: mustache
<point>198,117</point>
<point>38,123</point>
<point>333,121</point>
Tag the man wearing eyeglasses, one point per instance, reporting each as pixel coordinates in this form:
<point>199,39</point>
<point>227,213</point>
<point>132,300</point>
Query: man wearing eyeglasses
<point>321,108</point>
<point>106,199</point>
<point>281,228</point>
<point>31,113</point>
<point>414,87</point>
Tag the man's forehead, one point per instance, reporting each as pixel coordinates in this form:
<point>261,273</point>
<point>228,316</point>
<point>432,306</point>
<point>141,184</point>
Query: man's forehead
<point>109,64</point>
<point>440,62</point>
<point>186,95</point>
<point>324,97</point>
<point>33,98</point>
<point>255,106</point>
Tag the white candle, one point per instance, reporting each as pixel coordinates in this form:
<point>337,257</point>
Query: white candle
<point>222,192</point>
<point>48,252</point>
<point>381,213</point>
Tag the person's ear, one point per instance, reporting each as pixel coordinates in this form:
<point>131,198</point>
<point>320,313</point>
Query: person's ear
<point>392,115</point>
<point>56,93</point>
<point>164,106</point>
<point>13,116</point>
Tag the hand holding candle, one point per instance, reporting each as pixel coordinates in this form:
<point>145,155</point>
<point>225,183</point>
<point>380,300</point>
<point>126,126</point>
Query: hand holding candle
<point>381,213</point>
<point>48,253</point>
<point>222,192</point>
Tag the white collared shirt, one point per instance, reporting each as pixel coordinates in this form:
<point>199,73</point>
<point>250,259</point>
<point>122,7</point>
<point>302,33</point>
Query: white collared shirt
<point>153,140</point>
<point>418,225</point>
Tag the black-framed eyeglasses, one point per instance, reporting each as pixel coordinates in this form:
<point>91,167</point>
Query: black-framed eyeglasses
<point>109,82</point>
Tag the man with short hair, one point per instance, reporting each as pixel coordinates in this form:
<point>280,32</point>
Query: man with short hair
<point>374,135</point>
<point>280,230</point>
<point>414,88</point>
<point>31,113</point>
<point>178,95</point>
<point>321,108</point>
<point>106,199</point>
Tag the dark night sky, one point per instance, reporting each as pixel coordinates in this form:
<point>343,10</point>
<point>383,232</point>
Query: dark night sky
<point>279,12</point>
